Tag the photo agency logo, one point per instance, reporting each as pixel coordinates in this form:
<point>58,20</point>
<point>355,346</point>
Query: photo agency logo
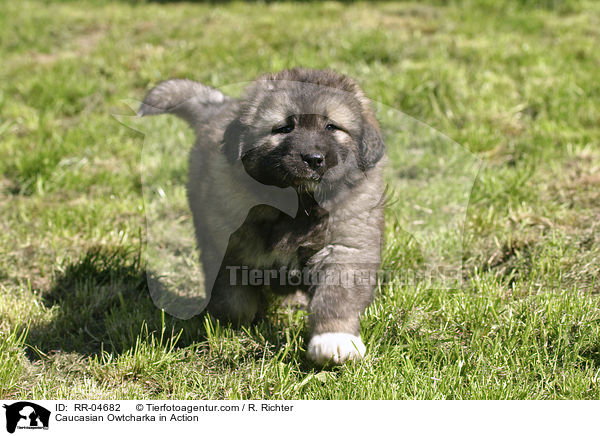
<point>25,415</point>
<point>259,208</point>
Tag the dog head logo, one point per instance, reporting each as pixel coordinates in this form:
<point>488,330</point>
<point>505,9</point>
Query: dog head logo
<point>26,415</point>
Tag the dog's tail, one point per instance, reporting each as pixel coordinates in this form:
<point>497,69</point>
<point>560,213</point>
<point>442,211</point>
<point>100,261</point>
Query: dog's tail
<point>192,101</point>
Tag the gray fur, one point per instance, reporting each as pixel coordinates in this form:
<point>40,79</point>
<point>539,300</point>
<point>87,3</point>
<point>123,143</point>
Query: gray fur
<point>194,102</point>
<point>245,169</point>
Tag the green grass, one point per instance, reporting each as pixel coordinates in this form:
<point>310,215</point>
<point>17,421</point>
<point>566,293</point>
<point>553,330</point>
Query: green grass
<point>513,82</point>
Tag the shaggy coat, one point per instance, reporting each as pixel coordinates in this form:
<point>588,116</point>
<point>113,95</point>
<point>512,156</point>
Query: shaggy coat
<point>288,180</point>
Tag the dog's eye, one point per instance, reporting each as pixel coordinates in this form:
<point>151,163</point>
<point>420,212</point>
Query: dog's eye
<point>331,127</point>
<point>283,129</point>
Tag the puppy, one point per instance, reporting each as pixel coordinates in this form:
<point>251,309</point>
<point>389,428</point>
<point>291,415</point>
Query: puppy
<point>286,191</point>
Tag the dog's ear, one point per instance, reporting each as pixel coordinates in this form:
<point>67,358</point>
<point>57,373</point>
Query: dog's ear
<point>233,140</point>
<point>371,147</point>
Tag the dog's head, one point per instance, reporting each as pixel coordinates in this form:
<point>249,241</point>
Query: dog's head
<point>305,128</point>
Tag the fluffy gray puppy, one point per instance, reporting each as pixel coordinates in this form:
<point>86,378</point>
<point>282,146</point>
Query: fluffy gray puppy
<point>286,191</point>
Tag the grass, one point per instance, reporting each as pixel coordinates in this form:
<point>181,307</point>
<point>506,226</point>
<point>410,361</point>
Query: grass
<point>515,207</point>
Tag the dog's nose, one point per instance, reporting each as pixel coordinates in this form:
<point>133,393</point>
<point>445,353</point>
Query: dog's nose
<point>314,160</point>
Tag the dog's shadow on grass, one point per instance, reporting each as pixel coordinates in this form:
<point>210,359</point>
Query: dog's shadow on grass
<point>102,303</point>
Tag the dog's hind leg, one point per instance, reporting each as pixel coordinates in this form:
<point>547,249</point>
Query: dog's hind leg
<point>234,303</point>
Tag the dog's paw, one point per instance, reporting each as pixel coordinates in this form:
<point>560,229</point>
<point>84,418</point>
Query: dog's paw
<point>335,348</point>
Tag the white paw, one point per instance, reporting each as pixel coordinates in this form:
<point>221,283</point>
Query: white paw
<point>335,348</point>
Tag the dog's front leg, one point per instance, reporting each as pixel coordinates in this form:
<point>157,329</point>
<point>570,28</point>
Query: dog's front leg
<point>340,297</point>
